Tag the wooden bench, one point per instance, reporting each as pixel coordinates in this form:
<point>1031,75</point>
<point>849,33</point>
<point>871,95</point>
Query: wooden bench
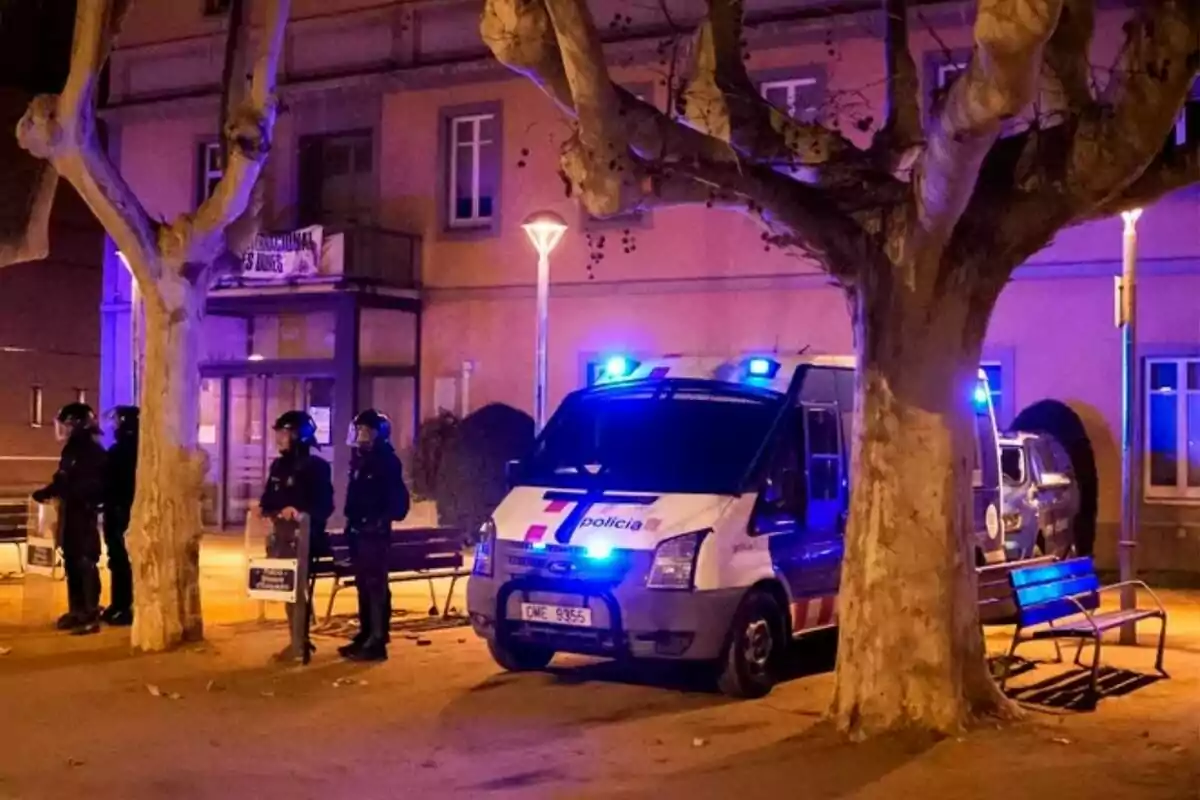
<point>16,518</point>
<point>1062,601</point>
<point>415,554</point>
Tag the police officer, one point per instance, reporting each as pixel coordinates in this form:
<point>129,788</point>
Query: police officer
<point>375,498</point>
<point>119,481</point>
<point>299,482</point>
<point>79,485</point>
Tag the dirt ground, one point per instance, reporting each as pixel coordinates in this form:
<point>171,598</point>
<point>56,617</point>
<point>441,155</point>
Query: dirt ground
<point>85,718</point>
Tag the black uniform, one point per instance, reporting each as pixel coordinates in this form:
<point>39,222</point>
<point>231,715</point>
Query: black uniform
<point>79,485</point>
<point>119,482</point>
<point>375,498</point>
<point>303,481</point>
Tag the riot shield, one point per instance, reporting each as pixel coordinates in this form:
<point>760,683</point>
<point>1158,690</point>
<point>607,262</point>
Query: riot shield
<point>42,563</point>
<point>281,575</point>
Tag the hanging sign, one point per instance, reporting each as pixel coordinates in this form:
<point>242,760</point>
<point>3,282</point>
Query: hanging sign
<point>279,256</point>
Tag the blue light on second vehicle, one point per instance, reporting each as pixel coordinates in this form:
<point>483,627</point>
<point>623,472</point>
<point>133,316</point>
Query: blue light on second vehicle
<point>599,550</point>
<point>760,367</point>
<point>981,396</point>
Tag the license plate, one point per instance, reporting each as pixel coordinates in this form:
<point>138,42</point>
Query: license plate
<point>556,615</point>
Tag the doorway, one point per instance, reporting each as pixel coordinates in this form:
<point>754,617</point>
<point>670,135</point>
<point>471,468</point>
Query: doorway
<point>237,415</point>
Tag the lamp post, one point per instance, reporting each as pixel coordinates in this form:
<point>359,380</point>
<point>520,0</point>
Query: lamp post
<point>545,230</point>
<point>1130,416</point>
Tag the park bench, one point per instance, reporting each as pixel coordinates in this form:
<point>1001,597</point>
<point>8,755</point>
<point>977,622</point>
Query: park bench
<point>997,605</point>
<point>15,521</point>
<point>415,554</point>
<point>1062,601</point>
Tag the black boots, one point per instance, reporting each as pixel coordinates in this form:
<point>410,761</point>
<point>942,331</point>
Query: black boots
<point>370,644</point>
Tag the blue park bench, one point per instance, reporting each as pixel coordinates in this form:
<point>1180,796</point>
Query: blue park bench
<point>1061,600</point>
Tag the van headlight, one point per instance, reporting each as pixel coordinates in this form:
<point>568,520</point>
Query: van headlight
<point>674,565</point>
<point>485,550</point>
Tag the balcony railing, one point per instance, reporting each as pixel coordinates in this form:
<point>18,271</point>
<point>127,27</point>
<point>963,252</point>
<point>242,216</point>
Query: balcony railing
<point>367,255</point>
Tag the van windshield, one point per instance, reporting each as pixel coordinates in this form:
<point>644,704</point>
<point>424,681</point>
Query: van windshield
<point>691,439</point>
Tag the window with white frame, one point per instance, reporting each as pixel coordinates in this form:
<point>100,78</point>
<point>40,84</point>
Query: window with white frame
<point>1172,440</point>
<point>946,73</point>
<point>473,169</point>
<point>212,167</point>
<point>796,96</point>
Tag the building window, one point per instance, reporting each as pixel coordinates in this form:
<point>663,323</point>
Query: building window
<point>36,407</point>
<point>211,168</point>
<point>337,179</point>
<point>1172,441</point>
<point>473,167</point>
<point>214,7</point>
<point>795,96</point>
<point>1187,124</point>
<point>995,377</point>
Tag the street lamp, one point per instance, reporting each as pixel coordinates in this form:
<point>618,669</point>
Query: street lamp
<point>545,230</point>
<point>1130,415</point>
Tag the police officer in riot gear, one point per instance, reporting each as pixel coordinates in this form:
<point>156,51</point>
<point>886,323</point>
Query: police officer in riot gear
<point>299,482</point>
<point>118,504</point>
<point>376,497</point>
<point>79,486</point>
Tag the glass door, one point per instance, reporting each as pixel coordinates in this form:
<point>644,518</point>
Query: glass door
<point>246,467</point>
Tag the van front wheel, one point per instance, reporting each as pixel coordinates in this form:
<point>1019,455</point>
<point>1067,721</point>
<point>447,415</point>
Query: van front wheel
<point>756,640</point>
<point>519,657</point>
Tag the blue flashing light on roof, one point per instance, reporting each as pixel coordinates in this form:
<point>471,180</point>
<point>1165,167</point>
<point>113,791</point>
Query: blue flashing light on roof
<point>759,367</point>
<point>618,367</point>
<point>599,551</point>
<point>980,397</point>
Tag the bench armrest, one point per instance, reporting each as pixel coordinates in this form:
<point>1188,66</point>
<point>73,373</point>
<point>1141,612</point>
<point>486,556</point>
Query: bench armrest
<point>1137,584</point>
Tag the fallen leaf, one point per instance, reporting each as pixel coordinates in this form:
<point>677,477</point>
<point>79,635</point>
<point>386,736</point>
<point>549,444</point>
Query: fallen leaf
<point>1058,740</point>
<point>153,690</point>
<point>174,696</point>
<point>1178,749</point>
<point>267,694</point>
<point>699,742</point>
<point>460,641</point>
<point>423,642</point>
<point>210,686</point>
<point>75,762</point>
<point>5,651</point>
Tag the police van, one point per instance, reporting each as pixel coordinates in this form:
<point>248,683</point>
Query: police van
<point>687,508</point>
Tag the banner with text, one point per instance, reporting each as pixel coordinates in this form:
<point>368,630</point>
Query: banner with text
<point>279,256</point>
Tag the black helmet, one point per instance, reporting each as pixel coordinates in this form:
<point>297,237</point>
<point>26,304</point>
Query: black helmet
<point>300,423</point>
<point>73,418</point>
<point>125,420</point>
<point>375,420</point>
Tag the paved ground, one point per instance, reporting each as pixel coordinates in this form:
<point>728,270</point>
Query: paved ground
<point>84,718</point>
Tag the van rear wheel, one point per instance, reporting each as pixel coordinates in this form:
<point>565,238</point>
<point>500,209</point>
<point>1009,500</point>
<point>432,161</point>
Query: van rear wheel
<point>756,640</point>
<point>518,656</point>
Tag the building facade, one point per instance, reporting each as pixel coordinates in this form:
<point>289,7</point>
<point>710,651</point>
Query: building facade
<point>396,119</point>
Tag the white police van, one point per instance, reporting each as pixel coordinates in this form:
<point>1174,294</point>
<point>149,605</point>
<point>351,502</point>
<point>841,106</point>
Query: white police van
<point>686,508</point>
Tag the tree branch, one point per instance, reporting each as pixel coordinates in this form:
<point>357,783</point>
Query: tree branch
<point>1115,142</point>
<point>1170,172</point>
<point>1068,54</point>
<point>200,239</point>
<point>999,83</point>
<point>902,129</point>
<point>62,130</point>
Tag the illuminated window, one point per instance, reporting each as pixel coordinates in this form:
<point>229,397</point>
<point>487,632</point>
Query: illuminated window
<point>211,168</point>
<point>1172,441</point>
<point>795,96</point>
<point>36,420</point>
<point>472,170</point>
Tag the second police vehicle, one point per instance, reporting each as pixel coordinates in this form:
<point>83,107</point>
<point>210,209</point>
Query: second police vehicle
<point>691,509</point>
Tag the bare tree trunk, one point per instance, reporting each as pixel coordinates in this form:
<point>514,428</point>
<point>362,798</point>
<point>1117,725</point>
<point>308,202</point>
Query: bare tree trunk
<point>165,530</point>
<point>908,592</point>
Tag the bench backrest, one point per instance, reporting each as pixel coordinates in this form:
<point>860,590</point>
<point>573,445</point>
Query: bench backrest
<point>414,548</point>
<point>997,605</point>
<point>15,521</point>
<point>1043,593</point>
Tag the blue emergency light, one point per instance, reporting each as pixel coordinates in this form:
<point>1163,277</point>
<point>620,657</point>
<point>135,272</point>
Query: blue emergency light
<point>599,550</point>
<point>759,367</point>
<point>980,397</point>
<point>617,367</point>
